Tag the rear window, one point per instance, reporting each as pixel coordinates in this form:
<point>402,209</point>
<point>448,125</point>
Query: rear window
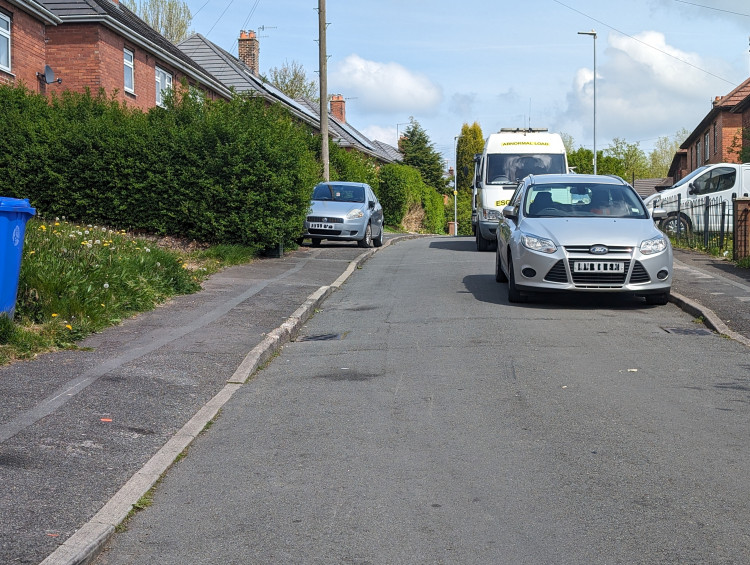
<point>339,193</point>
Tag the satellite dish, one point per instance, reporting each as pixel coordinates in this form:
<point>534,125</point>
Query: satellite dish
<point>48,76</point>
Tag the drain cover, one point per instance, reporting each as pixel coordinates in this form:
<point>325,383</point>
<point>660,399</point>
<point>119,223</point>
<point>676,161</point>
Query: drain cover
<point>322,337</point>
<point>688,331</point>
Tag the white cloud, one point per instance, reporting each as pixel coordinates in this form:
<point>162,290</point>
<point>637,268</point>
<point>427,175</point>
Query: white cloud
<point>384,87</point>
<point>463,104</point>
<point>384,134</point>
<point>645,89</point>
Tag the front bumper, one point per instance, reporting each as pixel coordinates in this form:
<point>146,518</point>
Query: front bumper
<point>339,229</point>
<point>641,274</point>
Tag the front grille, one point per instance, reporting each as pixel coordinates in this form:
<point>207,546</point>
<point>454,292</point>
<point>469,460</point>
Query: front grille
<point>585,249</point>
<point>639,276</point>
<point>557,273</point>
<point>600,278</point>
<point>325,220</point>
<point>324,232</point>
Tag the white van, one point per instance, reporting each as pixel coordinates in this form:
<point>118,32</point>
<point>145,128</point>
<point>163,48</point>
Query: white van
<point>718,183</point>
<point>508,157</point>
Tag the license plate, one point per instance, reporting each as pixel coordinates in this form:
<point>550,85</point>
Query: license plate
<point>318,226</point>
<point>598,267</point>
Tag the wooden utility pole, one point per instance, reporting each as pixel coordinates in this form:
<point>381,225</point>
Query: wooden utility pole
<point>323,89</point>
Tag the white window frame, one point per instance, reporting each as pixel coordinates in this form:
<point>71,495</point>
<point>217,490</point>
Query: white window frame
<point>128,58</point>
<point>5,37</point>
<point>161,88</point>
<point>706,148</point>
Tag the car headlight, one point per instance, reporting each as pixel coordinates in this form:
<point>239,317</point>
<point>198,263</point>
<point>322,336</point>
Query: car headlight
<point>491,214</point>
<point>655,245</point>
<point>535,243</point>
<point>355,214</point>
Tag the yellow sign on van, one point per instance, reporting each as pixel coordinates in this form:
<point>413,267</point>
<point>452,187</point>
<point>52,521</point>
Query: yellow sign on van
<point>525,143</point>
<point>499,203</point>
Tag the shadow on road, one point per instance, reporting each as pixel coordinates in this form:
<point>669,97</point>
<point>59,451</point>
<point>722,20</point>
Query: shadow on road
<point>455,244</point>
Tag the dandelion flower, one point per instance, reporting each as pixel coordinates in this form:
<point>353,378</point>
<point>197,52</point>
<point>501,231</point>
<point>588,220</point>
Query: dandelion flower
<point>69,326</point>
<point>55,315</point>
<point>106,285</point>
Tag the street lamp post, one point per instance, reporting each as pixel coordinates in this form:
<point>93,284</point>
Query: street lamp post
<point>592,33</point>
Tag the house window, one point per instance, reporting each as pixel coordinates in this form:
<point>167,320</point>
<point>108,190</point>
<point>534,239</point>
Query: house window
<point>163,84</point>
<point>707,152</point>
<point>697,152</point>
<point>129,60</point>
<point>4,42</point>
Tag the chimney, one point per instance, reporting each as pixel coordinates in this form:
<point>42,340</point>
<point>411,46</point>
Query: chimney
<point>248,50</point>
<point>338,107</point>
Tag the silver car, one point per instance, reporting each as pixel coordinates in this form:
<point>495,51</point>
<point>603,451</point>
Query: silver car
<point>581,233</point>
<point>345,211</point>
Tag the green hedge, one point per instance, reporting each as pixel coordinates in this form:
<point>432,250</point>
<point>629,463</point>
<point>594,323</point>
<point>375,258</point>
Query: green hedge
<point>238,172</point>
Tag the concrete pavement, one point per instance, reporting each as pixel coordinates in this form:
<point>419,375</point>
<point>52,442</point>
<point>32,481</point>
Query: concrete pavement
<point>85,434</point>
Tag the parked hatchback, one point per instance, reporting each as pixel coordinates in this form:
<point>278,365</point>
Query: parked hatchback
<point>581,233</point>
<point>345,211</point>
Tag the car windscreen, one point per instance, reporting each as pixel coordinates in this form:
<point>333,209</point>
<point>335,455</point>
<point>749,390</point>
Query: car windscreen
<point>503,168</point>
<point>563,200</point>
<point>339,193</point>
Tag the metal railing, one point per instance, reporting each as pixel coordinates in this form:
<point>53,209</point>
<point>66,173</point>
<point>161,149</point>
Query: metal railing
<point>706,222</point>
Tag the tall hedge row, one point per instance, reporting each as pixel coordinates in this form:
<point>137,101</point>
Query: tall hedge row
<point>219,172</point>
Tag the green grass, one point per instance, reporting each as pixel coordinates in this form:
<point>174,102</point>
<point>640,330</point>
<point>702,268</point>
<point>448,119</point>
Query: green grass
<point>76,280</point>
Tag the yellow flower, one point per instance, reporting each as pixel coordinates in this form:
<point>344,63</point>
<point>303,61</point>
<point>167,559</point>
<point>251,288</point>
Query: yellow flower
<point>69,326</point>
<point>54,315</point>
<point>32,252</point>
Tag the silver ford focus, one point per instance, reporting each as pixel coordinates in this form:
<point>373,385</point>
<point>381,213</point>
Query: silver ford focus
<point>582,233</point>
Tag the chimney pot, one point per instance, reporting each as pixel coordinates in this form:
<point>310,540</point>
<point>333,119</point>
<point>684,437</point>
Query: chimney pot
<point>248,50</point>
<point>338,107</point>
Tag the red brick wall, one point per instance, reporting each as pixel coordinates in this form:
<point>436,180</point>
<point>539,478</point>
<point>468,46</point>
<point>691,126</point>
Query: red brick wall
<point>91,55</point>
<point>27,49</point>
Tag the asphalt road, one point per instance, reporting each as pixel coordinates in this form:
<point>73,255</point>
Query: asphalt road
<point>420,418</point>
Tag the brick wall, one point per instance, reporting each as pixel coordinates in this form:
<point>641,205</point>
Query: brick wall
<point>27,49</point>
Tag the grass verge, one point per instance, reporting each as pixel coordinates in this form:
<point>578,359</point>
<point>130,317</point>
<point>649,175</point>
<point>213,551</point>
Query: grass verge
<point>76,280</point>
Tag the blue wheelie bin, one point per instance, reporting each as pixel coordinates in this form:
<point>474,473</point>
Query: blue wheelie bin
<point>14,214</point>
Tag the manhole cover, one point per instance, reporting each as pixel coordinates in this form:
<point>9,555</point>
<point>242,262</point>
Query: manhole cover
<point>688,331</point>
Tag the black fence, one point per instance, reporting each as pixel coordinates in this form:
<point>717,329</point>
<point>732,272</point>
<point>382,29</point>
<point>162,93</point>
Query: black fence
<point>708,223</point>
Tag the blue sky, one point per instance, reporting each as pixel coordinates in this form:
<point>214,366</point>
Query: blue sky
<point>505,63</point>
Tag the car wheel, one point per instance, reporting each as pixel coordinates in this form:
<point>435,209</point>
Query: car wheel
<point>366,241</point>
<point>378,241</point>
<point>657,299</point>
<point>316,242</point>
<point>514,295</point>
<point>669,225</point>
<point>499,273</point>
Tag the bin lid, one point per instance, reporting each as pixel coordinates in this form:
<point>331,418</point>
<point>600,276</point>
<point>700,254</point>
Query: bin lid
<point>16,205</point>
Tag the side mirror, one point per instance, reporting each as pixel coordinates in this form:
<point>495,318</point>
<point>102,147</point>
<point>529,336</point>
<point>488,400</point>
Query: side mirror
<point>691,188</point>
<point>658,213</point>
<point>510,212</point>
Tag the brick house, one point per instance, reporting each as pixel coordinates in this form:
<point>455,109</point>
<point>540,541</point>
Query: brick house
<point>100,44</point>
<point>23,25</point>
<point>718,138</point>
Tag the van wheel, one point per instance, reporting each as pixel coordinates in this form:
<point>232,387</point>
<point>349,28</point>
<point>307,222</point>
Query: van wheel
<point>669,225</point>
<point>482,244</point>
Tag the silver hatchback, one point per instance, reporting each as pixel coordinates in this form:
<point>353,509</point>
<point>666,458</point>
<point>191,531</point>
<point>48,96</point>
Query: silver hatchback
<point>345,211</point>
<point>581,233</point>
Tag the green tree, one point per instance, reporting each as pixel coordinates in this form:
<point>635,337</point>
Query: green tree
<point>292,80</point>
<point>470,142</point>
<point>631,155</point>
<point>568,142</point>
<point>420,153</point>
<point>582,161</point>
<point>660,158</point>
<point>171,18</point>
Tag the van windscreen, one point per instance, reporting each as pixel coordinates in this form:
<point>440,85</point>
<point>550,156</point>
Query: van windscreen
<point>503,168</point>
